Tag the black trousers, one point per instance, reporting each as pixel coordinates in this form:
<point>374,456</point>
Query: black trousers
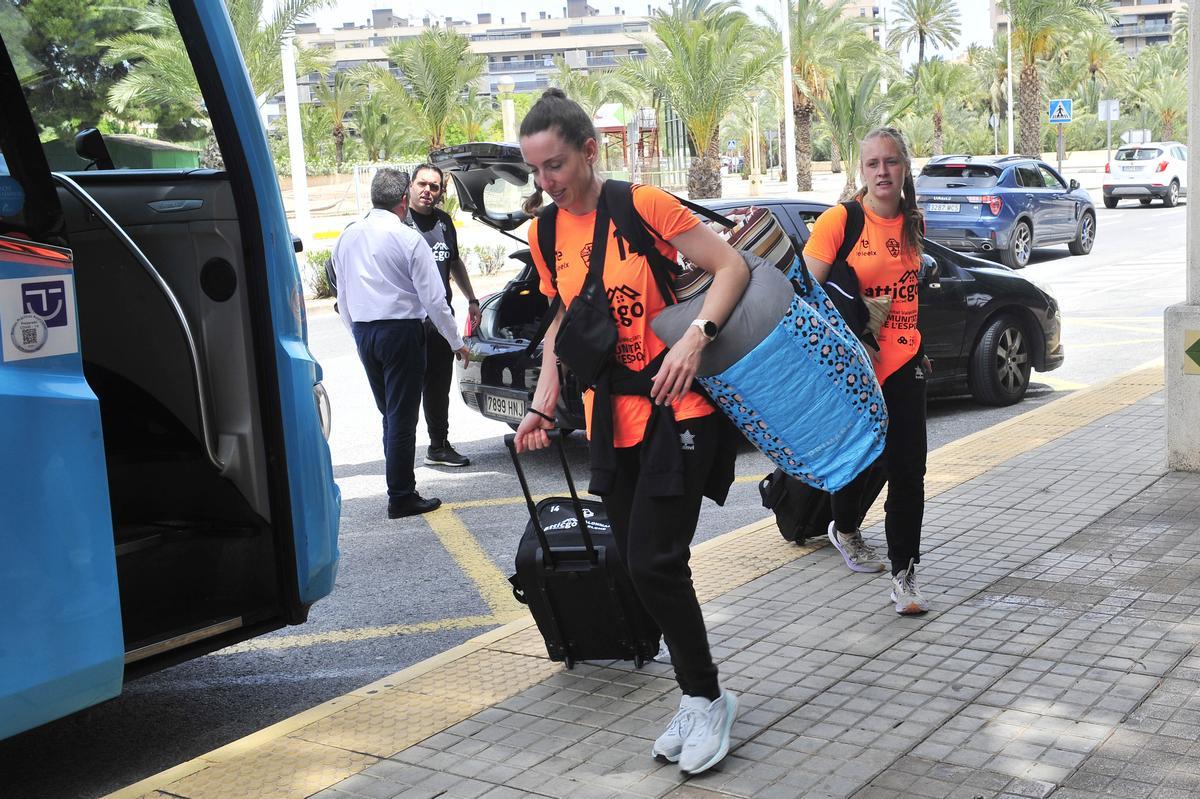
<point>435,392</point>
<point>654,536</point>
<point>903,461</point>
<point>392,352</point>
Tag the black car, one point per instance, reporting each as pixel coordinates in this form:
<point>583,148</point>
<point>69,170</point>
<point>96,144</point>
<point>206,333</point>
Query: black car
<point>984,326</point>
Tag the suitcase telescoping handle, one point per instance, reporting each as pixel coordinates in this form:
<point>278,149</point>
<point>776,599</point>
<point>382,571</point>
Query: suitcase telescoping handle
<point>547,554</point>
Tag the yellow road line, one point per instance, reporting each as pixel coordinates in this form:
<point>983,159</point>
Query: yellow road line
<point>1059,385</point>
<point>369,633</point>
<point>474,562</point>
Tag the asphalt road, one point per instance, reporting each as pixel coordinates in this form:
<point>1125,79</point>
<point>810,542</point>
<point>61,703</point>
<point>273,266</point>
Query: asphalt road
<point>410,589</point>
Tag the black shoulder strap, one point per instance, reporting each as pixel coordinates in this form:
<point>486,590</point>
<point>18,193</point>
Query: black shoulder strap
<point>547,230</point>
<point>855,219</point>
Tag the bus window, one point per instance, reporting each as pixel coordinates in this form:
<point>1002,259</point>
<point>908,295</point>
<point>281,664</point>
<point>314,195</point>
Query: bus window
<point>219,507</point>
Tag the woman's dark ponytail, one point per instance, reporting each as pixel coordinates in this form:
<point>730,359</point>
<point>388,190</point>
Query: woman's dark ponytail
<point>555,110</point>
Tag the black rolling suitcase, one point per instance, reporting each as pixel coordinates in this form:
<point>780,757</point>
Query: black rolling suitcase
<point>574,582</point>
<point>804,512</point>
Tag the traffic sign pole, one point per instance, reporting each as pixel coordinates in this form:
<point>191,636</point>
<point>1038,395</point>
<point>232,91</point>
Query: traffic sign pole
<point>1060,148</point>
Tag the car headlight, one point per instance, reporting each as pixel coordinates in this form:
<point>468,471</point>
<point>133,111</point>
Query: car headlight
<point>324,409</point>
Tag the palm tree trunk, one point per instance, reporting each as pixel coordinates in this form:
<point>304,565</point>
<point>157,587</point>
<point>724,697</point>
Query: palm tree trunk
<point>1168,127</point>
<point>211,157</point>
<point>339,145</point>
<point>835,157</point>
<point>783,175</point>
<point>704,173</point>
<point>804,115</point>
<point>1029,97</point>
<point>920,51</point>
<point>851,187</point>
<point>939,135</point>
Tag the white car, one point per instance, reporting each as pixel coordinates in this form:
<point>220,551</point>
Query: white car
<point>1146,171</point>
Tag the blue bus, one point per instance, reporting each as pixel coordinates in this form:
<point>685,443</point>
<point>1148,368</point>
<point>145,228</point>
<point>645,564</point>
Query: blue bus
<point>166,486</point>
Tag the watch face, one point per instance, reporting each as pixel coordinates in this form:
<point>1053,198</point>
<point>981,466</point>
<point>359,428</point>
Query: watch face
<point>710,329</point>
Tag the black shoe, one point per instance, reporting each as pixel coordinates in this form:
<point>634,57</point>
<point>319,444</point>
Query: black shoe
<point>413,505</point>
<point>444,455</point>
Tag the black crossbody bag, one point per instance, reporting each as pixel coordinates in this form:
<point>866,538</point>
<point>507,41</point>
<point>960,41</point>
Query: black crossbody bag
<point>587,337</point>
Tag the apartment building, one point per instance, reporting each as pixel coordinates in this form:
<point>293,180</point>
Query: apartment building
<point>516,43</point>
<point>1139,23</point>
<point>871,10</point>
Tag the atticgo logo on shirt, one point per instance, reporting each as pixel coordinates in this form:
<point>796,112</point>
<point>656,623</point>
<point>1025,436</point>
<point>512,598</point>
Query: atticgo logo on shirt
<point>626,305</point>
<point>441,252</point>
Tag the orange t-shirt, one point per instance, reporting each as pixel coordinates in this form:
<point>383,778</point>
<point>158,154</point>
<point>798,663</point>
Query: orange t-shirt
<point>632,294</point>
<point>884,268</point>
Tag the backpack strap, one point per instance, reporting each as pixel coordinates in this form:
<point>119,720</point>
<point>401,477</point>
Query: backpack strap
<point>547,240</point>
<point>855,219</point>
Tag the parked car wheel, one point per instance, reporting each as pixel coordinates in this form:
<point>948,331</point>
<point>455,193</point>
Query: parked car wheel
<point>1085,235</point>
<point>1020,246</point>
<point>1110,202</point>
<point>1001,363</point>
<point>1172,198</point>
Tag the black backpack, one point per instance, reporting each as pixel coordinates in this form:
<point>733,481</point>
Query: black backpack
<point>631,231</point>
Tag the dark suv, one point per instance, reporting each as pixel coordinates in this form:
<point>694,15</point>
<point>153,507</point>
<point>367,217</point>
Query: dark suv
<point>1006,205</point>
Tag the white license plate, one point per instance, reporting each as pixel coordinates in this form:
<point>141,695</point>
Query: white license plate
<point>506,407</point>
<point>950,208</point>
<point>1131,169</point>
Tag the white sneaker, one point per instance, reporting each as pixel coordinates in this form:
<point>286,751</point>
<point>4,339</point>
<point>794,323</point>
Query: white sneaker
<point>905,593</point>
<point>858,554</point>
<point>708,742</point>
<point>670,743</point>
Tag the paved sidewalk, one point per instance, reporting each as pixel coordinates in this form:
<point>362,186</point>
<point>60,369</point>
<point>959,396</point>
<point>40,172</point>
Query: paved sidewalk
<point>1059,660</point>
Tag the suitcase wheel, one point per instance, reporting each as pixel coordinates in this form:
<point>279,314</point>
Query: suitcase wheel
<point>569,662</point>
<point>638,661</point>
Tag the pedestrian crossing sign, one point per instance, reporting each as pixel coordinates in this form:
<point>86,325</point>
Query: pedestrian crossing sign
<point>1060,111</point>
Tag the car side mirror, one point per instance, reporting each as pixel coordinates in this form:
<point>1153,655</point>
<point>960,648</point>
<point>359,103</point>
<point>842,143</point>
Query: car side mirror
<point>930,271</point>
<point>90,146</point>
<point>1074,184</point>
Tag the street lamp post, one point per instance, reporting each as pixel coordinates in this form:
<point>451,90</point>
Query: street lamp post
<point>755,165</point>
<point>508,109</point>
<point>789,102</point>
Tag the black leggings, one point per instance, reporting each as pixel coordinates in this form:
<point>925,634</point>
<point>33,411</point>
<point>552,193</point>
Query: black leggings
<point>654,536</point>
<point>903,461</point>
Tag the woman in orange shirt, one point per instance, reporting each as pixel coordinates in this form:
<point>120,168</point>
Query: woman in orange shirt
<point>653,511</point>
<point>886,261</point>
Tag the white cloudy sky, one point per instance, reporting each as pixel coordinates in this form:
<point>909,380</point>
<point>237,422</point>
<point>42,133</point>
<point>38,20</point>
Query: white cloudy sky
<point>974,17</point>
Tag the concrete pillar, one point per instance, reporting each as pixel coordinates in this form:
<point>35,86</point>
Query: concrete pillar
<point>1183,320</point>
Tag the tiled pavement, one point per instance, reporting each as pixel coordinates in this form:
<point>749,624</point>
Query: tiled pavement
<point>1058,662</point>
<point>1059,659</point>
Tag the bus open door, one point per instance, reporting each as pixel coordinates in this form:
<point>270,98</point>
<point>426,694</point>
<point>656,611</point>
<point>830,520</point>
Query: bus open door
<point>166,487</point>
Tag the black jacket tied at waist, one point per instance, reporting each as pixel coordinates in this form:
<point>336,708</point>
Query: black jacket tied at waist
<point>661,456</point>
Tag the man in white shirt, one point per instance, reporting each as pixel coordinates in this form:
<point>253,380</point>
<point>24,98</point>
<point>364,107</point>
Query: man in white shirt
<point>387,284</point>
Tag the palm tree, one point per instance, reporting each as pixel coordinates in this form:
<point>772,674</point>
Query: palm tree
<point>592,89</point>
<point>475,115</point>
<point>823,43</point>
<point>1096,54</point>
<point>161,73</point>
<point>340,96</point>
<point>941,85</point>
<point>1168,102</point>
<point>703,68</point>
<point>851,110</point>
<point>437,68</point>
<point>932,21</point>
<point>1039,28</point>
